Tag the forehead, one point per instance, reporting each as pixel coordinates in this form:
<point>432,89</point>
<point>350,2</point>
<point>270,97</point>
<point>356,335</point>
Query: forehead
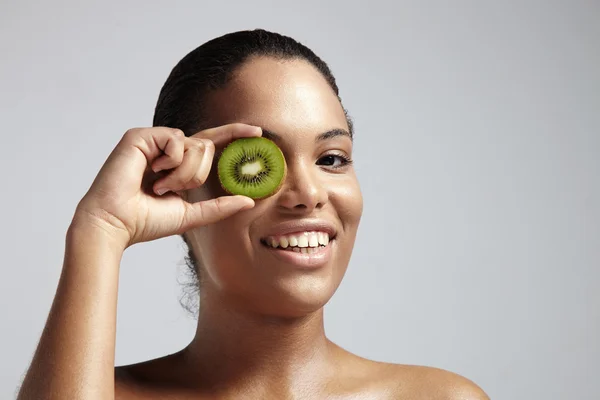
<point>286,96</point>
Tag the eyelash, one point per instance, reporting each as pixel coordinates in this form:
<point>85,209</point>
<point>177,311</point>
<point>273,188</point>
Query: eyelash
<point>346,161</point>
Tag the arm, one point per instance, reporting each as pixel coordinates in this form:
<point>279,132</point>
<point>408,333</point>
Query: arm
<point>75,356</point>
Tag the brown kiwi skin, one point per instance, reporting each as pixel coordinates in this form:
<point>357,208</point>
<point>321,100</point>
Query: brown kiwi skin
<point>275,190</point>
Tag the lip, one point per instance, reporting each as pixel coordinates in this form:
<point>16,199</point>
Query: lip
<point>293,227</point>
<point>300,260</point>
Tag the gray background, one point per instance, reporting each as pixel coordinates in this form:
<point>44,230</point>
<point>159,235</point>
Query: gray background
<point>478,144</point>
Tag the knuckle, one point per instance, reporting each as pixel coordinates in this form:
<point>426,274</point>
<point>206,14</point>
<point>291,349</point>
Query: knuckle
<point>209,145</point>
<point>200,144</point>
<point>177,132</point>
<point>197,180</point>
<point>178,155</point>
<point>198,147</point>
<point>179,142</point>
<point>132,132</point>
<point>235,128</point>
<point>219,205</point>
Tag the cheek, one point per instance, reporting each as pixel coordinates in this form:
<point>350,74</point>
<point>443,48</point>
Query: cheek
<point>210,190</point>
<point>226,244</point>
<point>225,237</point>
<point>223,248</point>
<point>348,202</point>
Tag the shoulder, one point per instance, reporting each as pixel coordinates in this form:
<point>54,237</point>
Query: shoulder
<point>401,381</point>
<point>434,383</point>
<point>145,380</point>
<point>126,385</point>
<point>394,381</point>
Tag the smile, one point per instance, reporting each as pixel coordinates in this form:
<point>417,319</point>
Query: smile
<point>302,242</point>
<point>308,249</point>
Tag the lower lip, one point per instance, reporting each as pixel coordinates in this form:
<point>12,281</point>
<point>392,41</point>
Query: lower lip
<point>304,260</point>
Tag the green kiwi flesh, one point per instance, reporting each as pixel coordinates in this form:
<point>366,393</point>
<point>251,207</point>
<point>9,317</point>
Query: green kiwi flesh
<point>252,167</point>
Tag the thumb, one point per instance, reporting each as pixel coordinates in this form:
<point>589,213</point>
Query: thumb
<point>210,211</point>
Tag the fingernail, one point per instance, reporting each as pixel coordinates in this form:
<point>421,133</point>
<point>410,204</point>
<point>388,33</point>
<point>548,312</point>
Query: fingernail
<point>161,191</point>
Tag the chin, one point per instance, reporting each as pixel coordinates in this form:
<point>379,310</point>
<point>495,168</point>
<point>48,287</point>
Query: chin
<point>290,291</point>
<point>300,296</point>
<point>284,296</point>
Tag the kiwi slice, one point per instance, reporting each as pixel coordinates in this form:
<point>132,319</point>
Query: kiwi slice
<point>253,167</point>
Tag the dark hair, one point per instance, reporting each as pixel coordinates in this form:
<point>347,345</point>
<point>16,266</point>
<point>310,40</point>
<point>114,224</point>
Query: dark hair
<point>181,102</point>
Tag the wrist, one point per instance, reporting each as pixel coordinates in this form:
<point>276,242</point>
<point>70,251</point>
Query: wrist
<point>88,228</point>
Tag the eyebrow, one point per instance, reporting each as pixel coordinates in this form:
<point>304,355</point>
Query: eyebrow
<point>330,134</point>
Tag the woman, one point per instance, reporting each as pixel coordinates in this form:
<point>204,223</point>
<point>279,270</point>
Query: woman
<point>260,325</point>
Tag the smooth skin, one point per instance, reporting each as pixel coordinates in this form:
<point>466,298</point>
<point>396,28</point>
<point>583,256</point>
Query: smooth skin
<point>260,329</point>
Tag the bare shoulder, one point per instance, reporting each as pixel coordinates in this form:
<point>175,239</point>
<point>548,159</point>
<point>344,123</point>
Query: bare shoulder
<point>127,384</point>
<point>148,379</point>
<point>415,382</point>
<point>408,382</point>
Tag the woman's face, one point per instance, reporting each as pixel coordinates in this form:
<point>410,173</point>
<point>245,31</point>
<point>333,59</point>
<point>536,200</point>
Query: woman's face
<point>319,203</point>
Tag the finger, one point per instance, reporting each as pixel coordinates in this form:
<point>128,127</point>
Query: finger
<point>227,133</point>
<point>153,142</point>
<point>193,170</point>
<point>202,171</point>
<point>173,154</point>
<point>205,164</point>
<point>210,211</point>
<point>137,148</point>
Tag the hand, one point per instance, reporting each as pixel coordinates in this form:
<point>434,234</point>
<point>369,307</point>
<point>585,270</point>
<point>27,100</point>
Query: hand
<point>128,197</point>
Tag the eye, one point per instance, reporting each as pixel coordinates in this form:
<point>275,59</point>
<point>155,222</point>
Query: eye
<point>334,161</point>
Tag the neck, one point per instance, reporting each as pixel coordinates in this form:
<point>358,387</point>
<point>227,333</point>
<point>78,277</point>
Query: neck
<point>233,346</point>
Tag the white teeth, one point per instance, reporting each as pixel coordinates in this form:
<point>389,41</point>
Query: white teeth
<point>303,241</point>
<point>323,239</point>
<point>283,242</point>
<point>296,249</point>
<point>304,250</point>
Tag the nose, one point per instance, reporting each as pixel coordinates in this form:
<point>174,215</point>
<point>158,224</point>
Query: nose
<point>303,190</point>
